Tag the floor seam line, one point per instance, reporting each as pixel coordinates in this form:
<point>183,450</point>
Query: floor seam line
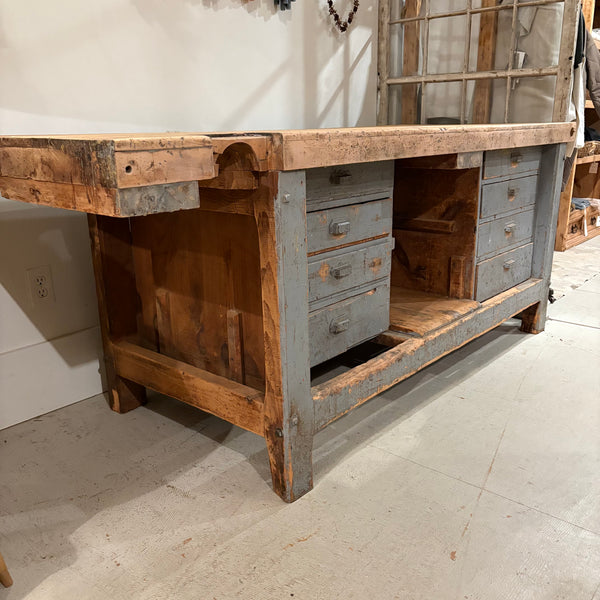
<point>571,323</point>
<point>542,512</point>
<point>414,462</point>
<point>474,485</point>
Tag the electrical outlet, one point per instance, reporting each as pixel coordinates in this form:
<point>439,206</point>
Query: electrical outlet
<point>40,285</point>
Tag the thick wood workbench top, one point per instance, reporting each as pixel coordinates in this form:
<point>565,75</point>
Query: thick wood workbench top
<point>133,174</point>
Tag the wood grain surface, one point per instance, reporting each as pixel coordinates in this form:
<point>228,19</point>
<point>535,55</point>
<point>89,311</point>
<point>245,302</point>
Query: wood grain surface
<point>92,173</point>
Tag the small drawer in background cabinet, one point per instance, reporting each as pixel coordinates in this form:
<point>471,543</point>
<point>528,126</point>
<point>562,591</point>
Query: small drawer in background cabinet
<point>498,163</point>
<point>505,196</point>
<point>340,271</point>
<point>504,232</point>
<point>340,326</point>
<point>328,187</point>
<point>344,225</point>
<point>502,272</point>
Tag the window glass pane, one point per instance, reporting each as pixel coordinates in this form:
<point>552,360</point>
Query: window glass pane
<point>404,104</point>
<point>395,9</point>
<point>479,100</point>
<point>447,44</point>
<point>490,41</point>
<point>442,103</point>
<point>446,6</point>
<point>531,100</point>
<point>538,35</point>
<point>470,92</point>
<point>406,49</point>
<point>401,9</point>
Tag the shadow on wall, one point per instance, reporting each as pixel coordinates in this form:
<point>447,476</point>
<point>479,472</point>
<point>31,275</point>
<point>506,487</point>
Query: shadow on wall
<point>139,65</point>
<point>186,65</point>
<point>31,237</point>
<point>335,74</point>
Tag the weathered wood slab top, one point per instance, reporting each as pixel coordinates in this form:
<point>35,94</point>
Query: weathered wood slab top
<point>136,174</point>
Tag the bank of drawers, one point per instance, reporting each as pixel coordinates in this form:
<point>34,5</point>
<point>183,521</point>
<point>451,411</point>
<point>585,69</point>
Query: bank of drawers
<point>349,236</point>
<point>506,220</point>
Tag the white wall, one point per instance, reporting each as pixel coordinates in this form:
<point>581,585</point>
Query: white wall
<point>74,66</point>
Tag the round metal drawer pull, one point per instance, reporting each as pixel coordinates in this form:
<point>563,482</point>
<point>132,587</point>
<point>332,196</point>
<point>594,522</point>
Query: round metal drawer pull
<point>508,264</point>
<point>509,227</point>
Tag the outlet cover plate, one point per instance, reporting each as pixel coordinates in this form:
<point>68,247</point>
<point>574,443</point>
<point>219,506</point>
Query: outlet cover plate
<point>41,286</point>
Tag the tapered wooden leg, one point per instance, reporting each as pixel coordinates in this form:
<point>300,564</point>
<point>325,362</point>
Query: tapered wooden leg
<point>5,578</point>
<point>289,416</point>
<point>118,303</point>
<point>533,319</point>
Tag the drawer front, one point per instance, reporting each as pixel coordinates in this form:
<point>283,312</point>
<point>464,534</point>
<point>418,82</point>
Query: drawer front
<point>336,227</point>
<point>348,184</point>
<point>502,272</point>
<point>498,163</point>
<point>341,271</point>
<point>504,196</point>
<point>338,327</point>
<point>503,232</point>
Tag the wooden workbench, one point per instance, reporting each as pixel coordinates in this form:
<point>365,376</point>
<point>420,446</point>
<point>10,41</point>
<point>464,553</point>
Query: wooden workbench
<point>242,273</point>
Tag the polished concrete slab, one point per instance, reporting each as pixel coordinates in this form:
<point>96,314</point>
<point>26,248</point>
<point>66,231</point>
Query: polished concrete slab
<point>478,478</point>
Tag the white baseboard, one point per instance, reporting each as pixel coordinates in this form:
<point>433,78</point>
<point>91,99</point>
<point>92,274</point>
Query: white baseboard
<point>41,378</point>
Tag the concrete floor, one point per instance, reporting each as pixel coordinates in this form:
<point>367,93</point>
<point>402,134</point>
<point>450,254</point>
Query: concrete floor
<point>478,478</point>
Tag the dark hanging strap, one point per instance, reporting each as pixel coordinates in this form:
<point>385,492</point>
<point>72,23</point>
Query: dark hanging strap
<point>580,43</point>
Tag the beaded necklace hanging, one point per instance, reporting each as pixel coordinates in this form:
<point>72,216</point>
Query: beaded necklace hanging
<point>342,25</point>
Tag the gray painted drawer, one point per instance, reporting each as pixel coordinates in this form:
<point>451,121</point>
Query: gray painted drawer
<point>338,327</point>
<point>498,163</point>
<point>502,272</point>
<point>335,186</point>
<point>336,227</point>
<point>504,232</point>
<point>340,271</point>
<point>504,196</point>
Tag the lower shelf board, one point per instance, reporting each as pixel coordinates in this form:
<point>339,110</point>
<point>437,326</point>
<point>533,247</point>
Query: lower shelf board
<point>344,390</point>
<point>420,313</point>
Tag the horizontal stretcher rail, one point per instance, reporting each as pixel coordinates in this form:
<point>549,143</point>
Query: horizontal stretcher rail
<point>239,404</point>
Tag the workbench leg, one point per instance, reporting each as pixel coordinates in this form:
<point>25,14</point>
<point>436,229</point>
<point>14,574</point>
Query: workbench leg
<point>533,319</point>
<point>546,214</point>
<point>117,301</point>
<point>289,415</point>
